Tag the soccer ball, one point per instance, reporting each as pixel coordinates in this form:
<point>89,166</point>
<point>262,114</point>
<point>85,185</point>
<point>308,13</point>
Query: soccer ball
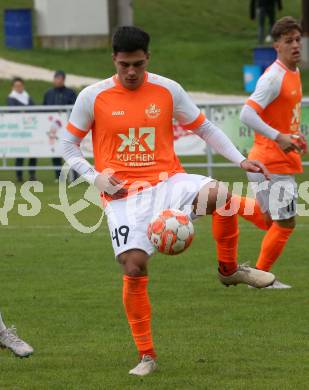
<point>171,232</point>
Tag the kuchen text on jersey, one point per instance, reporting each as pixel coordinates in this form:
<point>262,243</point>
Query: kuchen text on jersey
<point>137,147</point>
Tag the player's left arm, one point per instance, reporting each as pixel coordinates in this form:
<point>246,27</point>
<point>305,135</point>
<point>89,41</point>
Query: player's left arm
<point>191,118</point>
<point>287,142</point>
<point>221,143</point>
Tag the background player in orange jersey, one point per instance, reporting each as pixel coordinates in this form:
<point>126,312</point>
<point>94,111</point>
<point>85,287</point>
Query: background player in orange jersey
<point>274,112</point>
<point>136,169</point>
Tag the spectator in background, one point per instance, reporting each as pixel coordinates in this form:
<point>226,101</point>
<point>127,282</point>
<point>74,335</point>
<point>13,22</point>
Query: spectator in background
<point>264,9</point>
<point>20,97</point>
<point>59,95</point>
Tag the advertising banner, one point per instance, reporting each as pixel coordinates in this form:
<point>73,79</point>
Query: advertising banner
<point>36,134</point>
<point>31,134</point>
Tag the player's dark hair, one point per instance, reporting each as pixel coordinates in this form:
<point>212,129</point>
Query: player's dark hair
<point>284,26</point>
<point>129,39</point>
<point>17,79</point>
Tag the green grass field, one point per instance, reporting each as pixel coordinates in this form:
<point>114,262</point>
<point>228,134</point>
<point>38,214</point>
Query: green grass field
<point>63,291</point>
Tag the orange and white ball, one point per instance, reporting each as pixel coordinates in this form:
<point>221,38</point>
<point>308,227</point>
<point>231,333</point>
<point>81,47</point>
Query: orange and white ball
<point>171,231</point>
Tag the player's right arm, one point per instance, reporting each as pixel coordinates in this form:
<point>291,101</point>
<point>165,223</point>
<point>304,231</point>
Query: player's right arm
<point>80,122</point>
<point>267,90</point>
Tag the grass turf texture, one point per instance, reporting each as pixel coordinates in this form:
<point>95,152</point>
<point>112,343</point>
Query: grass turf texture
<point>63,291</point>
<point>208,43</point>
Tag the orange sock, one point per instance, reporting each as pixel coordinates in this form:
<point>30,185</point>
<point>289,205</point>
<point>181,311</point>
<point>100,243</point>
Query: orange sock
<point>225,232</point>
<point>249,209</point>
<point>272,246</point>
<point>138,310</point>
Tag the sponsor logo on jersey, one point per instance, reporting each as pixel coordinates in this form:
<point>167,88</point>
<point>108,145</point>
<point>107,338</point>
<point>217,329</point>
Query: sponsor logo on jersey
<point>138,140</point>
<point>118,113</point>
<point>152,111</point>
<point>137,147</point>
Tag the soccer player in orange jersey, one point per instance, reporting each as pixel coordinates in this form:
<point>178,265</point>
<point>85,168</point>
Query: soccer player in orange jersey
<point>136,169</point>
<point>274,112</point>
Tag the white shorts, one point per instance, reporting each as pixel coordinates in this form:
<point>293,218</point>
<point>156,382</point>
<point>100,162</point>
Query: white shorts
<point>276,196</point>
<point>128,218</point>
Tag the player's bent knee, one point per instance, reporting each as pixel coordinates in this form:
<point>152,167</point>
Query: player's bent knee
<point>134,262</point>
<point>287,223</point>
